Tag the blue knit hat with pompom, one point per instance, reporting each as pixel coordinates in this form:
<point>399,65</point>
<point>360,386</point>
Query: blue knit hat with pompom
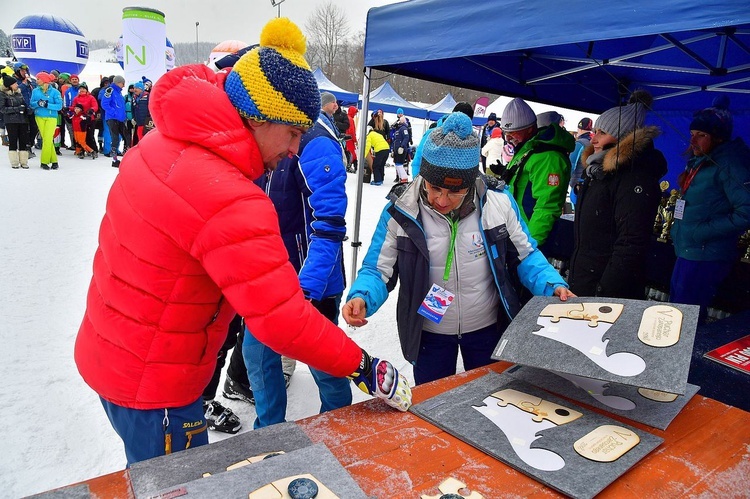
<point>450,155</point>
<point>273,82</point>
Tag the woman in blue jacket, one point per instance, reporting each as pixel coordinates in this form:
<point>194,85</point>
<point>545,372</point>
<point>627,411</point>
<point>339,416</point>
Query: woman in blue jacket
<point>714,208</point>
<point>46,101</point>
<point>449,240</point>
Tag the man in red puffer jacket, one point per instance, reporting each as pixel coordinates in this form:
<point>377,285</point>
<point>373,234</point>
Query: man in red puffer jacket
<point>188,239</point>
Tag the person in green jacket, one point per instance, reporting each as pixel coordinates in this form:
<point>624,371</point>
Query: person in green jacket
<point>539,172</point>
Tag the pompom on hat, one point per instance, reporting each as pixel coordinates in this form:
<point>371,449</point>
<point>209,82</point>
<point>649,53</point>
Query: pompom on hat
<point>517,115</point>
<point>450,155</point>
<point>273,82</point>
<point>622,120</point>
<point>716,120</point>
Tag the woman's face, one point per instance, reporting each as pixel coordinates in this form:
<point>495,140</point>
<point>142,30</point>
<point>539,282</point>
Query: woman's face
<point>443,200</point>
<point>701,142</point>
<point>601,139</point>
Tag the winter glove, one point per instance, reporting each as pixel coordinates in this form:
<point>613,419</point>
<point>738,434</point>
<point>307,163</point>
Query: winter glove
<point>42,103</point>
<point>400,150</point>
<point>380,379</point>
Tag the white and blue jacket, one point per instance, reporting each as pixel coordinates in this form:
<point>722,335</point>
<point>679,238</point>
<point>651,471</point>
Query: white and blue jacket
<point>401,251</point>
<point>309,193</point>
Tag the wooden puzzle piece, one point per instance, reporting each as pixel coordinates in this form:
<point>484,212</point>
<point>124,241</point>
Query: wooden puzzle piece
<point>660,326</point>
<point>592,312</point>
<point>279,489</point>
<point>606,443</point>
<point>657,395</point>
<point>542,409</point>
<point>251,460</point>
<point>452,486</point>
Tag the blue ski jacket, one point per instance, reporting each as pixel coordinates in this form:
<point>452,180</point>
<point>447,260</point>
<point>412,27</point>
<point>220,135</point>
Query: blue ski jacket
<point>399,252</point>
<point>309,193</point>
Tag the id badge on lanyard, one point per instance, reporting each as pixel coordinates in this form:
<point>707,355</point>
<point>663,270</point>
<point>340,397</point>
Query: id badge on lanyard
<point>436,303</point>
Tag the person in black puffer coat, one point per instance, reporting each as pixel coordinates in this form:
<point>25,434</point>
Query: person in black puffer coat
<point>617,204</point>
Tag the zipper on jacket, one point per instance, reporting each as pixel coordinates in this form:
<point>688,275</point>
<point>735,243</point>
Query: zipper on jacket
<point>167,436</point>
<point>298,239</point>
<point>489,256</point>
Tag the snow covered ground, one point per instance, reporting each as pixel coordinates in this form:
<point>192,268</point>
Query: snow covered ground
<point>56,432</point>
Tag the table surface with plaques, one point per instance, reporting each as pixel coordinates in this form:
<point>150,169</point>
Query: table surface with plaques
<point>706,451</point>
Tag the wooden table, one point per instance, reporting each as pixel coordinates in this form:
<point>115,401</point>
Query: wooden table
<point>706,450</point>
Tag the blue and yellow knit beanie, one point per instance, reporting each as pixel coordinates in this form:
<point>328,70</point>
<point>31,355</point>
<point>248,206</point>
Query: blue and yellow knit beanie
<point>450,155</point>
<point>273,82</point>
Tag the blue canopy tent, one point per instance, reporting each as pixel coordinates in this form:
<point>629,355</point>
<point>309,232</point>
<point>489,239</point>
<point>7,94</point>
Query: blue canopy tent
<point>386,98</point>
<point>684,52</point>
<point>326,85</point>
<point>445,106</point>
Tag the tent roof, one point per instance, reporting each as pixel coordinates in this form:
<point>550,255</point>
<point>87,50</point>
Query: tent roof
<point>445,105</point>
<point>682,51</point>
<point>386,98</point>
<point>326,85</point>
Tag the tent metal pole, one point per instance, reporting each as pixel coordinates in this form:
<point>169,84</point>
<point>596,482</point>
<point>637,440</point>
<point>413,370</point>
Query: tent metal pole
<point>360,171</point>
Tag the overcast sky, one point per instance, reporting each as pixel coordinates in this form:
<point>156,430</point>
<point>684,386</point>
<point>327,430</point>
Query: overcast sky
<point>219,20</point>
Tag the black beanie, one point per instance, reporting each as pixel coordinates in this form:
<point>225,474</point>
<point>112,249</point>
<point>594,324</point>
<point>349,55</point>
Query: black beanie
<point>8,80</point>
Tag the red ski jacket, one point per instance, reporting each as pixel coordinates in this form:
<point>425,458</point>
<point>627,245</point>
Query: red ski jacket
<point>188,239</point>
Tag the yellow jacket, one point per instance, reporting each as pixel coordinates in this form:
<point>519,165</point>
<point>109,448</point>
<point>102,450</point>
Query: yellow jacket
<point>376,141</point>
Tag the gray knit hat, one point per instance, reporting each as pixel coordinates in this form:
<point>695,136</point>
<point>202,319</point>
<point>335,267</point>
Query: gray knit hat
<point>450,155</point>
<point>517,115</point>
<point>622,120</point>
<point>326,98</point>
<point>118,79</point>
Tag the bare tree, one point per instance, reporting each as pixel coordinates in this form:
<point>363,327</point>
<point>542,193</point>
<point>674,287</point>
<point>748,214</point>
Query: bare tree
<point>326,28</point>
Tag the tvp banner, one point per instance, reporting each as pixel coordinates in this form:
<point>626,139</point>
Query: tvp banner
<point>143,33</point>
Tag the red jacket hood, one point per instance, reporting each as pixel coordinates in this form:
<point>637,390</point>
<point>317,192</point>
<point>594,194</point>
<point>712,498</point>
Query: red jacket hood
<point>352,111</point>
<point>177,102</point>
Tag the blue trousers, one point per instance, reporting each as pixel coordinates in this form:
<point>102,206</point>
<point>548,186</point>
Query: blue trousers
<point>149,433</point>
<point>696,283</point>
<point>438,353</point>
<point>106,137</point>
<point>267,378</point>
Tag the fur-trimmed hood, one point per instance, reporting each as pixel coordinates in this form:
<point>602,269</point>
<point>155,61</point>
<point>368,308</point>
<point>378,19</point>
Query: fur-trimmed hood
<point>623,152</point>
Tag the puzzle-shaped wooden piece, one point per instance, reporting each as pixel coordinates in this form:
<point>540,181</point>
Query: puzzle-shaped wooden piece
<point>540,408</point>
<point>279,489</point>
<point>453,486</point>
<point>251,460</point>
<point>592,312</point>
